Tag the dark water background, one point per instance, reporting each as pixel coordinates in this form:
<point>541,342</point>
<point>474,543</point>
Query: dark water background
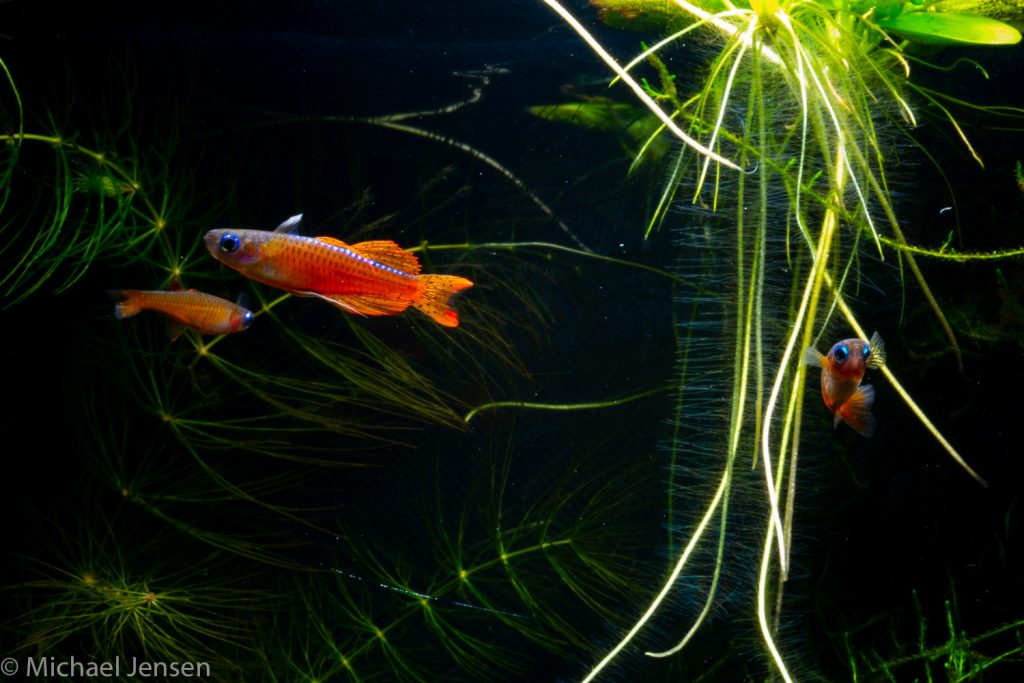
<point>877,520</point>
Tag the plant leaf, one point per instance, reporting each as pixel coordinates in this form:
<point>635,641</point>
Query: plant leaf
<point>948,28</point>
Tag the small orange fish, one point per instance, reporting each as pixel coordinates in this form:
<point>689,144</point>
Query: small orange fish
<point>368,278</point>
<point>841,373</point>
<point>204,313</point>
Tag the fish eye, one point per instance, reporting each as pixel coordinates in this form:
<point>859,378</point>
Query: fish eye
<point>840,352</point>
<point>247,319</point>
<point>230,243</point>
<point>865,352</point>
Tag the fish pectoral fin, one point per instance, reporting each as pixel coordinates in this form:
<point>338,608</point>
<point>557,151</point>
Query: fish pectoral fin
<point>365,304</point>
<point>877,357</point>
<point>390,254</point>
<point>812,357</point>
<point>857,410</point>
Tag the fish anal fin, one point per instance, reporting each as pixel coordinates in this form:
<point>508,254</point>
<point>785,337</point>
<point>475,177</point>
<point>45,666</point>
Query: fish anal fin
<point>390,254</point>
<point>365,304</point>
<point>435,299</point>
<point>856,411</point>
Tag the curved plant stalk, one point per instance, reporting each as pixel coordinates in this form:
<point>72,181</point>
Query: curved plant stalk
<point>635,87</point>
<point>533,405</point>
<point>816,80</point>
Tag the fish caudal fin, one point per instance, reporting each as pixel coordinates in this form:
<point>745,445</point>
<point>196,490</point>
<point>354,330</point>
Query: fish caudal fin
<point>856,412</point>
<point>436,297</point>
<point>129,302</point>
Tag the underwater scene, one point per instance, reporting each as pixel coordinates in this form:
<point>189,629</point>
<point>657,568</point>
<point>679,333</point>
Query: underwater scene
<point>539,340</point>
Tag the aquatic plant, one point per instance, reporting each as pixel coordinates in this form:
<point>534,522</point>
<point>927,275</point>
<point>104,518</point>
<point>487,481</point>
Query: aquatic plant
<point>785,152</point>
<point>252,456</point>
<point>98,590</point>
<point>954,655</point>
<point>379,498</point>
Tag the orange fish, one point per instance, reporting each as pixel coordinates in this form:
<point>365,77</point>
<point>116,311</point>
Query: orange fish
<point>204,313</point>
<point>841,373</point>
<point>368,278</point>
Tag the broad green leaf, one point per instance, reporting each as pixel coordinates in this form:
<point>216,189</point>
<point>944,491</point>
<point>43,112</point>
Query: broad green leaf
<point>942,28</point>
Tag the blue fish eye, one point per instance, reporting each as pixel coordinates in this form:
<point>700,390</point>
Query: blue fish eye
<point>840,352</point>
<point>230,243</point>
<point>247,319</point>
<point>865,352</point>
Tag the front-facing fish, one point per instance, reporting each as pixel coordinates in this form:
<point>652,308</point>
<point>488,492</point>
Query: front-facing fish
<point>842,371</point>
<point>204,313</point>
<point>368,278</point>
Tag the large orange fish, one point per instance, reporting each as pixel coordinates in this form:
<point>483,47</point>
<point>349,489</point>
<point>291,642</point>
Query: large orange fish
<point>842,371</point>
<point>368,278</point>
<point>204,313</point>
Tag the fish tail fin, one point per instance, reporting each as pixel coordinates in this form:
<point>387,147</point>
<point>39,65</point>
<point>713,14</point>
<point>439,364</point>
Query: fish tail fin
<point>857,410</point>
<point>435,298</point>
<point>128,302</point>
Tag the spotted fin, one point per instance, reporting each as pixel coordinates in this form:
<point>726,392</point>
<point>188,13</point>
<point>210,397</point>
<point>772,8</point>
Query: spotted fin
<point>390,254</point>
<point>437,295</point>
<point>856,412</point>
<point>333,241</point>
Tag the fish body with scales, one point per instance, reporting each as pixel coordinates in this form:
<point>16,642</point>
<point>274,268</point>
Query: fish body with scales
<point>374,278</point>
<point>184,308</point>
<point>842,374</point>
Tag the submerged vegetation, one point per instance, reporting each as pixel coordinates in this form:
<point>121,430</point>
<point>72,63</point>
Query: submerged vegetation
<point>214,489</point>
<point>786,136</point>
<point>333,497</point>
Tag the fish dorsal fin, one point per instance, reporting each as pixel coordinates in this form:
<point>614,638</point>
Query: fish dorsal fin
<point>175,284</point>
<point>390,254</point>
<point>333,241</point>
<point>290,226</point>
